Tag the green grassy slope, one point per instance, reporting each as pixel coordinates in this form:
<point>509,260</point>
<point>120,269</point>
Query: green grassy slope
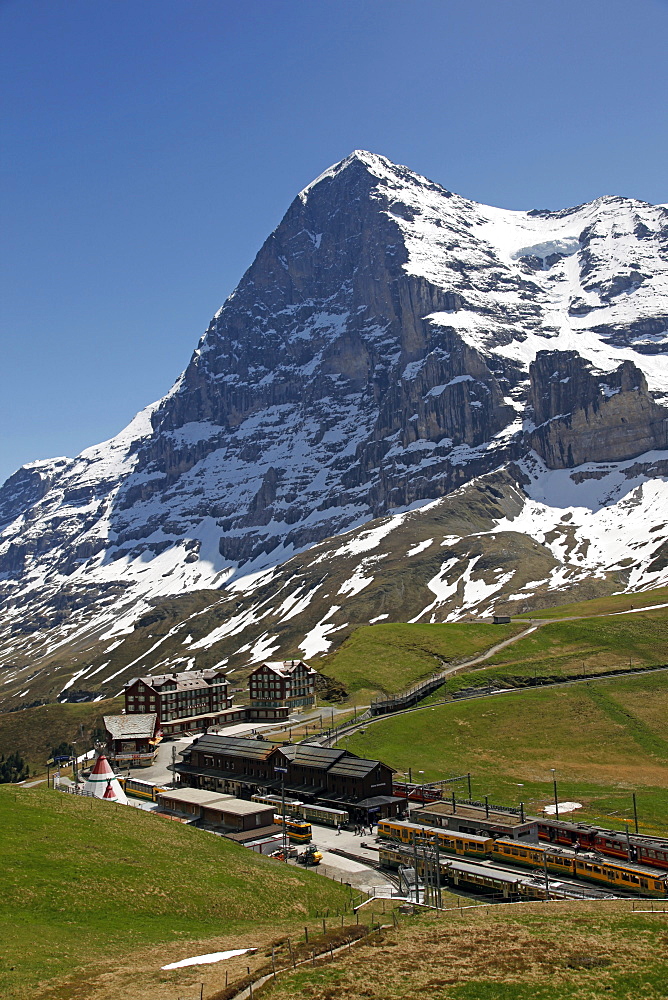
<point>614,604</point>
<point>391,657</point>
<point>35,731</point>
<point>83,880</point>
<point>566,649</point>
<point>555,951</point>
<point>605,739</point>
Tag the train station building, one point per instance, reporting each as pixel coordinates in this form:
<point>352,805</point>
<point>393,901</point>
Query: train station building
<point>332,777</point>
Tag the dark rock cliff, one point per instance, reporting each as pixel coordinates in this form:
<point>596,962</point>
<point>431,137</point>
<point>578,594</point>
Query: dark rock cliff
<point>584,416</point>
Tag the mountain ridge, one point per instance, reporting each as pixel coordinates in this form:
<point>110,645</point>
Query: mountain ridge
<point>391,343</point>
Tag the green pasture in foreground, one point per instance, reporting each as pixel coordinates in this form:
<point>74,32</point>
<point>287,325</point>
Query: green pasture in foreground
<point>34,731</point>
<point>392,657</point>
<point>606,739</point>
<point>83,879</point>
<point>554,951</point>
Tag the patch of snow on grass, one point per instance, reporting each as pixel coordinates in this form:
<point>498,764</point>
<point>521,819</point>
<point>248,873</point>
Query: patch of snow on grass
<point>369,539</point>
<point>264,647</point>
<point>294,604</point>
<point>564,807</point>
<point>358,581</point>
<point>214,956</point>
<point>420,547</point>
<point>316,640</point>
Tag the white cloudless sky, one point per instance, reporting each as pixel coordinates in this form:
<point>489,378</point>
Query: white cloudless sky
<point>150,147</point>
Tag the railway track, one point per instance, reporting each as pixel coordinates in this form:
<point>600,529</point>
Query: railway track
<point>580,889</point>
<point>571,885</point>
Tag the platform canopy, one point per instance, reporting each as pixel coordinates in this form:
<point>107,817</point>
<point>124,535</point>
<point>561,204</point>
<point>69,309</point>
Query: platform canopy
<point>103,783</point>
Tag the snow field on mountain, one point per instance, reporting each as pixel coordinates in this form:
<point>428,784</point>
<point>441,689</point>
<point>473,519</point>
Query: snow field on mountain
<point>323,398</point>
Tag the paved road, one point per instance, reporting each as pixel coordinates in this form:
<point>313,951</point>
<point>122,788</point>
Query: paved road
<point>359,875</point>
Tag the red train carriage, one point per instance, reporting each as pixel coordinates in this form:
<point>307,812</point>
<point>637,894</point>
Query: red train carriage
<point>613,843</point>
<point>562,832</point>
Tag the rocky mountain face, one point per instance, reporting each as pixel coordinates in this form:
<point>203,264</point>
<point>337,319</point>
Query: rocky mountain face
<point>583,417</point>
<point>391,343</point>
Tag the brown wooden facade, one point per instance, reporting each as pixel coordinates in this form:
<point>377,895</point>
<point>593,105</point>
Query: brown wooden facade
<point>189,701</point>
<point>311,773</point>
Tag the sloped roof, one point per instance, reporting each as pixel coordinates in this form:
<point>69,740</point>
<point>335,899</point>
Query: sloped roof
<point>130,727</point>
<point>285,668</point>
<point>354,767</point>
<point>184,680</point>
<point>308,755</point>
<point>232,746</point>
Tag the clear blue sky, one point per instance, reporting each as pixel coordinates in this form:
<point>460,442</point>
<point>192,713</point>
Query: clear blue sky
<point>150,146</point>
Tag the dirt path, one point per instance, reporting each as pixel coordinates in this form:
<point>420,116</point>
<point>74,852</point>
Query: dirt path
<point>493,649</point>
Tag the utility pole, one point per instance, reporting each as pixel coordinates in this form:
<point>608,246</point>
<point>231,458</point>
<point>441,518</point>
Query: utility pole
<point>283,771</point>
<point>75,777</point>
<point>425,873</point>
<point>438,870</point>
<point>468,778</point>
<point>487,807</point>
<point>556,797</point>
<point>173,767</point>
<point>635,812</point>
<point>628,842</point>
<point>415,866</point>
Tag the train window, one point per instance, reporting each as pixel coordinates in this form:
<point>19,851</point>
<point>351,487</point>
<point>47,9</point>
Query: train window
<point>651,854</point>
<point>625,877</point>
<point>657,885</point>
<point>597,869</point>
<point>643,883</point>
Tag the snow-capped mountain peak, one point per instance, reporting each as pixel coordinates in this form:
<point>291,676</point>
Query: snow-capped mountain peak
<point>391,343</point>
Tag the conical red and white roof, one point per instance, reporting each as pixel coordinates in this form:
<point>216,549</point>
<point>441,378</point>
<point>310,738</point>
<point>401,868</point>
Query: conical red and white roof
<point>103,783</point>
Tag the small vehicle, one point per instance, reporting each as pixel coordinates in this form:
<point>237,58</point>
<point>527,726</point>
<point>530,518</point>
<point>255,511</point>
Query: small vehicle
<point>310,857</point>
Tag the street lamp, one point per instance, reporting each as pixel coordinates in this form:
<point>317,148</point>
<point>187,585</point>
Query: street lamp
<point>556,798</point>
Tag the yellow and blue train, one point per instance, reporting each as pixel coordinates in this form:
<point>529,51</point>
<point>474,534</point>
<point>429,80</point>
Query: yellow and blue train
<point>616,875</point>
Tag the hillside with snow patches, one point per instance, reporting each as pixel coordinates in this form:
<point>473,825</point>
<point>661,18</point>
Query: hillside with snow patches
<point>413,407</point>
